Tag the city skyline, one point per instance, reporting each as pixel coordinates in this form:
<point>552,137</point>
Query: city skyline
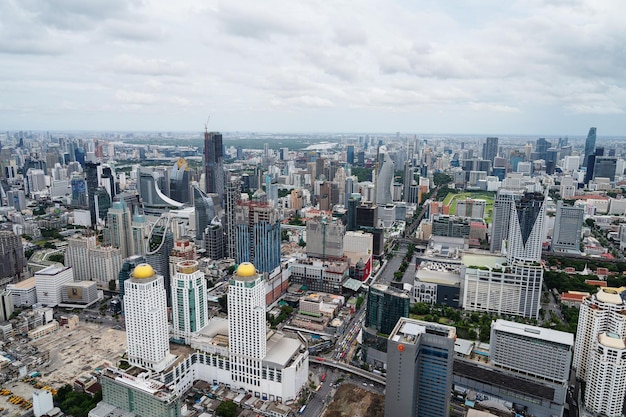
<point>518,67</point>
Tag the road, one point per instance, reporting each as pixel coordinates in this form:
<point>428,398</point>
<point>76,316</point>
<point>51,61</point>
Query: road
<point>318,401</point>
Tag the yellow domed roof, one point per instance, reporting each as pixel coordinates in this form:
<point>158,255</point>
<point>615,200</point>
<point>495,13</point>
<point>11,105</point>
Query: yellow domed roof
<point>246,269</point>
<point>143,271</point>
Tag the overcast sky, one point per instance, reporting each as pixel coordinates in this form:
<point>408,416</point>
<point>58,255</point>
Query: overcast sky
<point>453,66</point>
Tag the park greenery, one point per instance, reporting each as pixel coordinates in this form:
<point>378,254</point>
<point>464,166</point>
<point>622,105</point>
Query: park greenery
<point>362,174</point>
<point>76,404</point>
<point>227,409</point>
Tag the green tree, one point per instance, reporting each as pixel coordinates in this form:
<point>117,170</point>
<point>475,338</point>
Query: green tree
<point>363,174</point>
<point>284,235</point>
<point>112,285</point>
<point>439,178</point>
<point>359,301</point>
<point>226,409</point>
<point>420,309</point>
<point>57,257</point>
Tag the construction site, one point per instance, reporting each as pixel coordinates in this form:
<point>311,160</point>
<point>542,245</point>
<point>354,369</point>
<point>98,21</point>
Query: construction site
<point>53,361</point>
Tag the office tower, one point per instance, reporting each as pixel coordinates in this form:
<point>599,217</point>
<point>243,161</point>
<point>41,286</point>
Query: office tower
<point>179,181</point>
<point>106,262</point>
<point>351,224</point>
<point>118,232</point>
<point>246,326</point>
<point>605,167</point>
<point>213,163</point>
<point>204,209</point>
<point>127,268</point>
<point>137,396</point>
<point>102,203</point>
<point>541,148</point>
<point>419,360</point>
<point>145,312</point>
<point>189,303</point>
<point>385,306</point>
<point>77,255</point>
<point>567,228</point>
<point>49,282</point>
<point>527,221</point>
<point>320,163</point>
<point>107,181</point>
<point>258,235</point>
<point>350,154</point>
<point>531,351</point>
<point>91,172</point>
<point>214,240</point>
<point>35,181</point>
<point>600,353</point>
<point>239,153</point>
<point>158,250</point>
<point>590,145</point>
<point>152,194</point>
<point>16,199</point>
<point>384,179</point>
<point>79,191</point>
<point>490,149</point>
<point>324,238</point>
<point>141,231</point>
<point>233,195</point>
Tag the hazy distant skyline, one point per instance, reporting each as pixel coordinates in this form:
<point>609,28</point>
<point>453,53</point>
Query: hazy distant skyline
<point>519,67</point>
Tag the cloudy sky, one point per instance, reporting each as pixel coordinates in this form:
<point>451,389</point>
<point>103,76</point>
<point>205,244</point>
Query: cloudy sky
<point>454,66</point>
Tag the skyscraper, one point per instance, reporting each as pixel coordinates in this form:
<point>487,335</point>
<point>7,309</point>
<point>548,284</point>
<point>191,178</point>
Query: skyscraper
<point>159,248</point>
<point>77,255</point>
<point>91,170</point>
<point>12,261</point>
<point>233,195</point>
<point>204,209</point>
<point>189,303</point>
<point>145,312</point>
<point>118,232</point>
<point>384,179</point>
<point>419,359</point>
<point>502,206</point>
<point>179,181</point>
<point>79,191</point>
<point>324,238</point>
<point>490,149</point>
<point>127,268</point>
<point>214,239</point>
<point>526,228</point>
<point>605,167</point>
<point>385,306</point>
<point>600,352</point>
<point>590,145</point>
<point>350,154</point>
<point>213,163</point>
<point>258,235</point>
<point>567,229</point>
<point>246,326</point>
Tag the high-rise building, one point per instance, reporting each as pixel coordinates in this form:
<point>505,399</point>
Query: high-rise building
<point>16,199</point>
<point>118,232</point>
<point>213,163</point>
<point>527,221</point>
<point>91,171</point>
<point>590,145</point>
<point>127,268</point>
<point>258,235</point>
<point>204,209</point>
<point>77,255</point>
<point>533,351</point>
<point>324,238</point>
<point>179,181</point>
<point>79,191</point>
<point>233,195</point>
<point>384,180</point>
<point>12,260</point>
<point>49,282</point>
<point>141,231</point>
<point>145,312</point>
<point>189,303</point>
<point>246,326</point>
<point>158,250</point>
<point>419,362</point>
<point>600,353</point>
<point>214,240</point>
<point>567,228</point>
<point>502,206</point>
<point>106,263</point>
<point>605,167</point>
<point>385,306</point>
<point>350,154</point>
<point>490,149</point>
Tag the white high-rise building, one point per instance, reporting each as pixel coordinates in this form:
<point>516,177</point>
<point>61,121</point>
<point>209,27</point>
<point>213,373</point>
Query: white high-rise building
<point>247,326</point>
<point>606,376</point>
<point>106,263</point>
<point>77,256</point>
<point>567,229</point>
<point>119,233</point>
<point>526,228</point>
<point>189,301</point>
<point>49,282</point>
<point>145,312</point>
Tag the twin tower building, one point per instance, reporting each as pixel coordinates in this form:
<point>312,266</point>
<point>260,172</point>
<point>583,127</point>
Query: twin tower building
<point>239,351</point>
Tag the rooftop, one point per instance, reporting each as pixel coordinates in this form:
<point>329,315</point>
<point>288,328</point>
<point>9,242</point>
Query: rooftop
<point>281,349</point>
<point>533,332</point>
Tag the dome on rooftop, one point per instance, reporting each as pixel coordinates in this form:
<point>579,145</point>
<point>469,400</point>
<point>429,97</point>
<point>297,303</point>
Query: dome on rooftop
<point>143,271</point>
<point>246,269</point>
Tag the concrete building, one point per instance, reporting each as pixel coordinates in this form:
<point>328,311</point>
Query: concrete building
<point>106,263</point>
<point>502,206</point>
<point>23,293</point>
<point>189,300</point>
<point>419,367</point>
<point>145,312</point>
<point>118,232</point>
<point>606,376</point>
<point>42,402</point>
<point>81,293</point>
<point>12,261</point>
<point>77,256</point>
<point>318,275</point>
<point>258,234</point>
<point>6,305</point>
<point>567,229</point>
<point>49,284</point>
<point>324,238</point>
<point>472,208</point>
